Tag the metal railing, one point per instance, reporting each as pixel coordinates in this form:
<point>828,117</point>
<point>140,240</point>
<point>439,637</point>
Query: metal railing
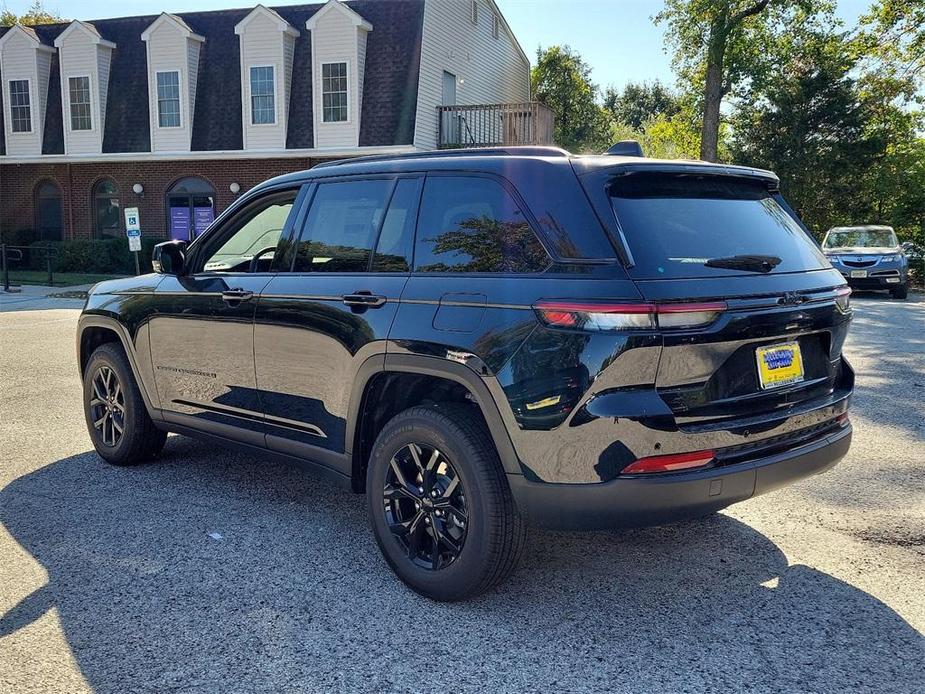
<point>17,254</point>
<point>494,125</point>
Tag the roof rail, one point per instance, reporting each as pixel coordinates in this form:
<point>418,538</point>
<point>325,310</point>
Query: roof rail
<point>527,151</point>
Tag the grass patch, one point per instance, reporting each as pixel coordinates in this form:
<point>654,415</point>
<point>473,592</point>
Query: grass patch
<point>61,279</point>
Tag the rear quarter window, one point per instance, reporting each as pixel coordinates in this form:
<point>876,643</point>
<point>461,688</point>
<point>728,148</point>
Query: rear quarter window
<point>472,224</point>
<point>674,224</point>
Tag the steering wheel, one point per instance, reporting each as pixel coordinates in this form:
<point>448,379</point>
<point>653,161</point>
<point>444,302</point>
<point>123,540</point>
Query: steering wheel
<point>253,266</point>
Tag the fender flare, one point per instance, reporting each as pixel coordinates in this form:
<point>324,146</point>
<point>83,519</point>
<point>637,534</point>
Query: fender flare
<point>125,339</point>
<point>440,368</point>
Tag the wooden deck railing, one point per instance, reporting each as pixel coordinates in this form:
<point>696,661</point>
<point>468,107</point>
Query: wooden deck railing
<point>492,125</point>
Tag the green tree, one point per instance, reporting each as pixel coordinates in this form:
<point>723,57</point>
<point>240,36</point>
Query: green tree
<point>36,14</point>
<point>562,81</point>
<point>638,103</point>
<point>893,35</point>
<point>815,127</point>
<point>719,44</point>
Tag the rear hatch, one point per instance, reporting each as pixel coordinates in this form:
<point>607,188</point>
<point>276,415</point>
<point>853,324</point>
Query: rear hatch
<point>699,233</point>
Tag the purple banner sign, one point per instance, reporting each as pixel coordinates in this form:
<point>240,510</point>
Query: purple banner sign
<point>179,223</point>
<point>202,218</point>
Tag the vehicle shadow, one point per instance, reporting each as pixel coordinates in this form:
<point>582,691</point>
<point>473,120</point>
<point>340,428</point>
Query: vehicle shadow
<point>205,572</point>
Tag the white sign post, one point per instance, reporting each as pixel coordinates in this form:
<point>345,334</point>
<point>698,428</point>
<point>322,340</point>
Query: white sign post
<point>133,232</point>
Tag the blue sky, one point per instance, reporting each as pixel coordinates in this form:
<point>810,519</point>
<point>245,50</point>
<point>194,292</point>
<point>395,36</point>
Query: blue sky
<point>616,37</point>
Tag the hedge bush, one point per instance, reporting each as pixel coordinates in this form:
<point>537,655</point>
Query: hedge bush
<point>96,256</point>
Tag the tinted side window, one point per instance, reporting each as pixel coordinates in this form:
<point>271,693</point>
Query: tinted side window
<point>256,230</point>
<point>393,252</point>
<point>472,224</point>
<point>341,226</point>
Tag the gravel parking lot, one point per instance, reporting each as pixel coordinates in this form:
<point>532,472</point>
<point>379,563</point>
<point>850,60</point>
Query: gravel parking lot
<point>210,571</point>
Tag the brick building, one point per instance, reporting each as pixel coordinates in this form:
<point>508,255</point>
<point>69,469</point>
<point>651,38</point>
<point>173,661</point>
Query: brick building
<point>179,114</point>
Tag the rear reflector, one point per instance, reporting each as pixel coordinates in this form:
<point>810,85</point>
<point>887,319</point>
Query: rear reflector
<point>669,463</point>
<point>605,315</point>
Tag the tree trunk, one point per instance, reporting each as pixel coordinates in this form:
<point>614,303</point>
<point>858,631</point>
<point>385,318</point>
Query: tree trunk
<point>713,90</point>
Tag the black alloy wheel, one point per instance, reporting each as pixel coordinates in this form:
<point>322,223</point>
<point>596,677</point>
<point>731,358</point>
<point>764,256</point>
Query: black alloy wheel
<point>118,422</point>
<point>425,505</point>
<point>107,406</point>
<point>439,502</point>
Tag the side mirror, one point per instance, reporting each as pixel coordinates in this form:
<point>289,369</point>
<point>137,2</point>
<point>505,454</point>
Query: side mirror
<point>906,247</point>
<point>169,258</point>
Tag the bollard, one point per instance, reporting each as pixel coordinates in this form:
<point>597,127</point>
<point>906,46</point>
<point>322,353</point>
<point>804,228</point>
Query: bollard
<point>6,269</point>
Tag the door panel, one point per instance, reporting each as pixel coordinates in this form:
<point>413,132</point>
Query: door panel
<point>308,346</point>
<point>202,353</point>
<point>202,327</point>
<point>315,327</point>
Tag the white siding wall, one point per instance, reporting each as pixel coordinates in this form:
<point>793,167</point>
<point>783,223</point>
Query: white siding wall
<point>193,49</point>
<point>262,44</point>
<point>103,61</point>
<point>488,70</point>
<point>168,52</point>
<point>334,40</point>
<point>79,58</point>
<point>361,70</point>
<point>288,57</point>
<point>19,62</point>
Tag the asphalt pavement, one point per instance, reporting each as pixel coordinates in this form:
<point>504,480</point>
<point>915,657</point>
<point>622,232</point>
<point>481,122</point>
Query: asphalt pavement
<point>212,571</point>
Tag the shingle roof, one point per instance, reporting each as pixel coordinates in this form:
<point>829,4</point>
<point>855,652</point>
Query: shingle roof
<point>389,91</point>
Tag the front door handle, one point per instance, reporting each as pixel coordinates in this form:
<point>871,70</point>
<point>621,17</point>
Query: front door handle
<point>236,296</point>
<point>364,299</point>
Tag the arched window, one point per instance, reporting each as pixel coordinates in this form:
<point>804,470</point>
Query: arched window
<point>107,212</point>
<point>48,211</point>
<point>190,208</point>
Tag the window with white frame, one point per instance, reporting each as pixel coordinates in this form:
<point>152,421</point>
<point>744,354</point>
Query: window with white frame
<point>495,26</point>
<point>475,11</point>
<point>79,96</point>
<point>334,92</point>
<point>168,99</point>
<point>263,95</point>
<point>20,106</point>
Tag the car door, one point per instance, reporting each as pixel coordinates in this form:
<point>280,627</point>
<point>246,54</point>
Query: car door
<point>318,323</point>
<point>202,326</point>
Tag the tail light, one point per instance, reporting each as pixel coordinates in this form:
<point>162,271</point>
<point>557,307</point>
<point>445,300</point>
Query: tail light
<point>843,299</point>
<point>669,463</point>
<point>601,316</point>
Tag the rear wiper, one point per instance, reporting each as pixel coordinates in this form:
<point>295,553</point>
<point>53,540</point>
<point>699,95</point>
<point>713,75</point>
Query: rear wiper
<point>752,263</point>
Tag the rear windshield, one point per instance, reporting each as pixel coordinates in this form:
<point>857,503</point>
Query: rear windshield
<point>676,224</point>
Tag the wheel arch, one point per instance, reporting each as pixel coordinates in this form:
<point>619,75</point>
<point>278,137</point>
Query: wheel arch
<point>371,374</point>
<point>95,330</point>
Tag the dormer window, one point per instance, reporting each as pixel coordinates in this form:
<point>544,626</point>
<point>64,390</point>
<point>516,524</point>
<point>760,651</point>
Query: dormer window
<point>25,63</point>
<point>267,48</point>
<point>79,99</point>
<point>173,53</point>
<point>263,95</point>
<point>168,99</point>
<point>334,92</point>
<point>20,106</point>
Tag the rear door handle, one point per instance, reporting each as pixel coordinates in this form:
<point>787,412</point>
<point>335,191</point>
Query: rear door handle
<point>364,299</point>
<point>236,296</point>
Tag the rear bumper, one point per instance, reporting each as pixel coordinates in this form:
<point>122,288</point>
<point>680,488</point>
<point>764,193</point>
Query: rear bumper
<point>656,499</point>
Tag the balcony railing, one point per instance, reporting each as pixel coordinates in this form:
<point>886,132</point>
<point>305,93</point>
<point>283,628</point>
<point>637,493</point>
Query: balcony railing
<point>494,125</point>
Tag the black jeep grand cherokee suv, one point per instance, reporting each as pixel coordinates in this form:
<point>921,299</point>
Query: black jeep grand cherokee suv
<point>486,338</point>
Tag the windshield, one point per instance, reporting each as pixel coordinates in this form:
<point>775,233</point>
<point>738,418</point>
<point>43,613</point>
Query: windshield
<point>861,238</point>
<point>675,224</point>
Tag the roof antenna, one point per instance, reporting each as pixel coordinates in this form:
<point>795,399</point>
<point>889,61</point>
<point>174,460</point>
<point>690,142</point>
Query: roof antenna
<point>626,148</point>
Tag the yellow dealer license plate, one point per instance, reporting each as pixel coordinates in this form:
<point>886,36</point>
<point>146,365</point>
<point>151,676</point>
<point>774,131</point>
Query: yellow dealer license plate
<point>779,365</point>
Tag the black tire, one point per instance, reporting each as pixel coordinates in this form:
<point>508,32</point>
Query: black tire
<point>900,292</point>
<point>139,440</point>
<point>494,531</point>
